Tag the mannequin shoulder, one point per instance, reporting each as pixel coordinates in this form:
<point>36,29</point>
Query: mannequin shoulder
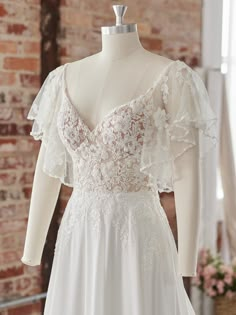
<point>157,62</point>
<point>157,59</point>
<point>161,62</point>
<point>86,60</point>
<point>75,67</point>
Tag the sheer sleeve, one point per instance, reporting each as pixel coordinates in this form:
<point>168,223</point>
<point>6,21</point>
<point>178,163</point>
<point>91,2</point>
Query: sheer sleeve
<point>44,111</point>
<point>181,118</point>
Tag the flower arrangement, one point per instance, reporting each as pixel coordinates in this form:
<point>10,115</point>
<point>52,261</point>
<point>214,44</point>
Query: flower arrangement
<point>214,277</point>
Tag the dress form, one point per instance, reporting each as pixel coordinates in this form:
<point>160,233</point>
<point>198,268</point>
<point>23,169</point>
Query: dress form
<point>124,66</point>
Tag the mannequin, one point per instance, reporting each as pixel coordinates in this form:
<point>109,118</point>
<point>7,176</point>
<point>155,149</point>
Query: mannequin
<point>122,65</point>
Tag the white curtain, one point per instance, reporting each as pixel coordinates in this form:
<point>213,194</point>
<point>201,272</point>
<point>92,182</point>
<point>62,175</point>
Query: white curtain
<point>226,158</point>
<point>228,150</point>
<point>230,60</point>
<point>203,305</point>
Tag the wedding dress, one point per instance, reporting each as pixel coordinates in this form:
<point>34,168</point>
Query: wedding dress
<point>115,253</point>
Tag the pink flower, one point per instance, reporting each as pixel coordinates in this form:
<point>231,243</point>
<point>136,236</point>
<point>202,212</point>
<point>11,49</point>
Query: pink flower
<point>228,279</point>
<point>220,286</point>
<point>213,281</point>
<point>209,271</point>
<point>211,292</point>
<point>230,294</point>
<point>203,256</point>
<point>226,269</point>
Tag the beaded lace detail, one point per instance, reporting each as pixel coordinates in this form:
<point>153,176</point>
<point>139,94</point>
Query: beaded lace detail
<point>135,144</point>
<point>107,159</point>
<point>131,150</point>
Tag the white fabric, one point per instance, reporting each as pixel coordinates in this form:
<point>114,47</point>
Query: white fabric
<point>58,162</point>
<point>169,135</point>
<point>194,123</point>
<point>115,253</point>
<point>204,305</point>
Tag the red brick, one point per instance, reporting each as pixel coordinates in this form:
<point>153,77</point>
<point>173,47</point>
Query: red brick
<point>8,47</point>
<point>32,47</point>
<point>6,114</point>
<point>17,29</point>
<point>63,51</point>
<point>152,44</point>
<point>29,64</point>
<point>32,1</point>
<point>71,3</point>
<point>9,29</point>
<point>27,145</point>
<point>6,288</point>
<point>27,192</point>
<point>32,309</point>
<point>24,283</point>
<point>30,80</point>
<point>11,272</point>
<point>144,29</point>
<point>90,6</point>
<point>14,129</point>
<point>26,178</point>
<point>10,226</point>
<point>16,162</point>
<point>75,18</point>
<point>7,78</point>
<point>7,179</point>
<point>11,194</point>
<point>5,211</point>
<point>7,129</point>
<point>155,30</point>
<point>8,145</point>
<point>20,11</point>
<point>100,20</point>
<point>12,241</point>
<point>8,257</point>
<point>194,61</point>
<point>3,11</point>
<point>183,49</point>
<point>15,96</point>
<point>13,211</point>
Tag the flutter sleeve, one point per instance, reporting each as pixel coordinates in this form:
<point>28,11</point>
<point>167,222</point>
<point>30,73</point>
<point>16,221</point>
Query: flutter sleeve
<point>44,111</point>
<point>182,117</point>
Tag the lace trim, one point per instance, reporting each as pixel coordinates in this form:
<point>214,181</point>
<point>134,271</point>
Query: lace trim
<point>57,160</point>
<point>169,136</point>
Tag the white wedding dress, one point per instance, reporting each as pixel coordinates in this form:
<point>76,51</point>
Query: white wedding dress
<point>115,253</point>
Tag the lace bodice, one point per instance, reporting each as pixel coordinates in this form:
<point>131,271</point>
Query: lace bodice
<point>134,146</point>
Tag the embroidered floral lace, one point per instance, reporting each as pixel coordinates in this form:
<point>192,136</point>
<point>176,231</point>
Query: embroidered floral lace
<point>134,146</point>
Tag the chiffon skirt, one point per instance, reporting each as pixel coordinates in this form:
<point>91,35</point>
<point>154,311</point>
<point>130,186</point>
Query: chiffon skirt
<point>115,255</point>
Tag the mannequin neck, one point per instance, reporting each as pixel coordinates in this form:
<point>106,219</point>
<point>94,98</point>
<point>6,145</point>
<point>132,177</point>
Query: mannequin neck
<point>121,45</point>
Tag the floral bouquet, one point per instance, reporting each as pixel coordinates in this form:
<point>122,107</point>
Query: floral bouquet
<point>214,277</point>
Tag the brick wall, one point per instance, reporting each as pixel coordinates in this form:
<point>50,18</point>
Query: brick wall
<point>167,27</point>
<point>19,81</point>
<point>170,28</point>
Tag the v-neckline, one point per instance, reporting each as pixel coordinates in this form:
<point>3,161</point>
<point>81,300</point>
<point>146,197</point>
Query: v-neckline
<point>115,109</point>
